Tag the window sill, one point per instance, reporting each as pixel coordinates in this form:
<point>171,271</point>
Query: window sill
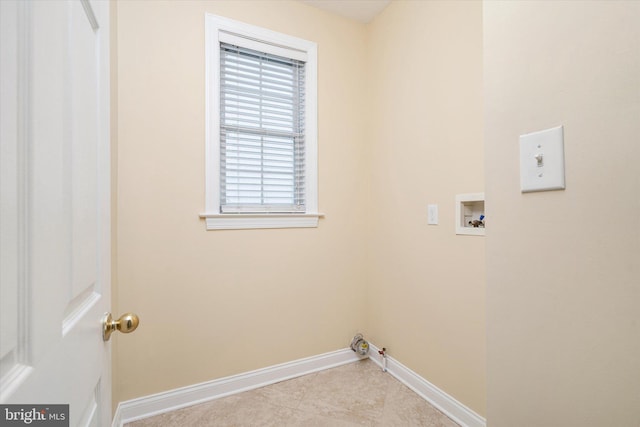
<point>255,221</point>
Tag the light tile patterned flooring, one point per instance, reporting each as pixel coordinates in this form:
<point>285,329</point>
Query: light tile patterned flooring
<point>351,395</point>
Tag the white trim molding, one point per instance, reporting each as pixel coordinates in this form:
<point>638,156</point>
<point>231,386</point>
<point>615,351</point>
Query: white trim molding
<point>448,405</point>
<point>264,220</point>
<point>156,404</point>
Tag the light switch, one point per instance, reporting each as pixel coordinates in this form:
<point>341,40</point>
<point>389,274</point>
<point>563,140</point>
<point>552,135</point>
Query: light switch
<point>542,160</point>
<point>432,214</point>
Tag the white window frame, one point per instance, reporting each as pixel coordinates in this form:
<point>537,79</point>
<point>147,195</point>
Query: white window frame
<point>215,28</point>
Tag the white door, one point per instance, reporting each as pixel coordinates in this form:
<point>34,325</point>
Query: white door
<point>55,235</point>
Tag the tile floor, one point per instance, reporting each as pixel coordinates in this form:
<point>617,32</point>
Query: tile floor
<point>354,394</point>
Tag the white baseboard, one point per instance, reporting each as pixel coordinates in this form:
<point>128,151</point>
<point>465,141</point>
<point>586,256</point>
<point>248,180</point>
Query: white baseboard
<point>149,406</point>
<point>432,394</point>
<point>117,418</point>
<point>171,400</point>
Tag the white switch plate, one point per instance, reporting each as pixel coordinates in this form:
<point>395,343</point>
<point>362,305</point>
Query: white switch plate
<point>432,214</point>
<point>542,160</point>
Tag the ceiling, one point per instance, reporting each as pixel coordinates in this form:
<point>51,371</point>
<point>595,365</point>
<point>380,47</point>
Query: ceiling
<point>360,10</point>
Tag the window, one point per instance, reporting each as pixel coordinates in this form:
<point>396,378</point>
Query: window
<point>261,131</point>
<point>261,128</point>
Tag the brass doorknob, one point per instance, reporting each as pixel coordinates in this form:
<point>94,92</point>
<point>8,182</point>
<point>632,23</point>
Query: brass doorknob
<point>128,322</point>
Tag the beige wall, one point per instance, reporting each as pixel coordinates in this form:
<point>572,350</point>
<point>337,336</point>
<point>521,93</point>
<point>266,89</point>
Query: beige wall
<point>394,135</point>
<point>425,295</point>
<point>563,266</point>
<point>218,303</point>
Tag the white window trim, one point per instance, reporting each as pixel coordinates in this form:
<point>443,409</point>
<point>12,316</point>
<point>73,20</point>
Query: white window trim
<point>215,27</point>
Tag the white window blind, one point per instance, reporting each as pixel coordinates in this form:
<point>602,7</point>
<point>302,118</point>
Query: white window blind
<point>262,131</point>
